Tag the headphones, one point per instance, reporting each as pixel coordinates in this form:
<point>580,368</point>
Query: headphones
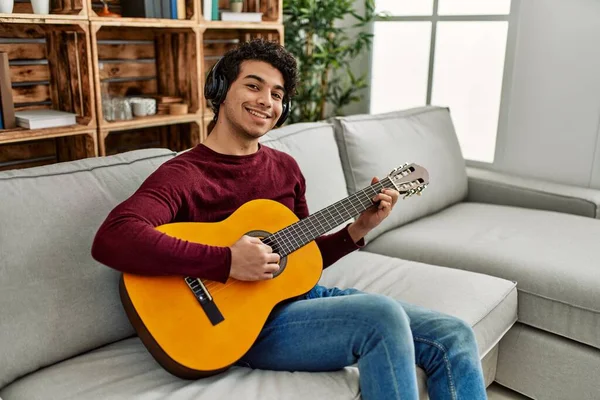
<point>216,86</point>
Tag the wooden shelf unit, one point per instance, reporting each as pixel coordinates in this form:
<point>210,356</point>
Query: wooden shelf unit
<point>50,67</point>
<point>127,57</point>
<point>59,9</point>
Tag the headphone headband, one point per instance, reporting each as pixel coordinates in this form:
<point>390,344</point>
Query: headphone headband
<point>216,87</point>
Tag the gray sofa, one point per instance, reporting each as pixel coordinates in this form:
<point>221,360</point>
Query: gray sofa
<point>516,258</point>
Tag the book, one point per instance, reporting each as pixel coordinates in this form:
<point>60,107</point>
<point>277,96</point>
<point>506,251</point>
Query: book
<point>181,11</point>
<point>6,98</point>
<point>207,10</point>
<point>39,119</point>
<point>215,10</point>
<point>241,16</point>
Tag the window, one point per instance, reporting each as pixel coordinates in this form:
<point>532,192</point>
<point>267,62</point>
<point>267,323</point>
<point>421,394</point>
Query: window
<point>448,53</point>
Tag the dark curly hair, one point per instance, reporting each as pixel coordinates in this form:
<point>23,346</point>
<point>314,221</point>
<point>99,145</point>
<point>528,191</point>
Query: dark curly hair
<point>258,50</point>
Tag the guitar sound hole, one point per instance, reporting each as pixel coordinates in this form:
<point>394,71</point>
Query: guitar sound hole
<point>263,234</point>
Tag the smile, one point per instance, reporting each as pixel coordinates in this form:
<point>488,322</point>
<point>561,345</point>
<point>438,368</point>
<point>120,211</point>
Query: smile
<point>258,114</point>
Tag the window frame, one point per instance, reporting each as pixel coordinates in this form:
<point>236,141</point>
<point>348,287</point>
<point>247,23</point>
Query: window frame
<point>509,58</point>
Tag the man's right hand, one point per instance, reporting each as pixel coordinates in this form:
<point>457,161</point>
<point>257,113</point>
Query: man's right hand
<point>252,260</point>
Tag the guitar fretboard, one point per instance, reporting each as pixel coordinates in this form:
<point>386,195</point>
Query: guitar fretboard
<point>299,234</point>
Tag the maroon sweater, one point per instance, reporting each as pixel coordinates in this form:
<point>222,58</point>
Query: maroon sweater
<point>202,185</point>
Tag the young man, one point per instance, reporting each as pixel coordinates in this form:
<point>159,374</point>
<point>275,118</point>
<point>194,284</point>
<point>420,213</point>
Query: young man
<point>326,329</point>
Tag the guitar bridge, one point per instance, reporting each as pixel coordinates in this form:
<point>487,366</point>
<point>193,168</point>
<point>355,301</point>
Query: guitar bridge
<point>205,299</point>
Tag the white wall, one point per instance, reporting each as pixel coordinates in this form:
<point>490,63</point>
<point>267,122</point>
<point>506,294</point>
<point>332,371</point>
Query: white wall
<point>359,66</point>
<point>551,128</point>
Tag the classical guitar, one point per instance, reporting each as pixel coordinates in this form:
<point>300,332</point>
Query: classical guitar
<point>197,327</point>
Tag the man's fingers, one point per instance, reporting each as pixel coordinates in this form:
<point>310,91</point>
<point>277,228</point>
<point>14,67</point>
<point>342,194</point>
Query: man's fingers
<point>385,204</point>
<point>273,258</point>
<point>268,276</point>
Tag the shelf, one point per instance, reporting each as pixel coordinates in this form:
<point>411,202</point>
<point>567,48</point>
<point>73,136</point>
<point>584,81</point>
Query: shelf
<point>241,25</point>
<point>143,22</point>
<point>179,135</point>
<point>40,18</point>
<point>49,67</point>
<point>21,134</point>
<point>146,122</point>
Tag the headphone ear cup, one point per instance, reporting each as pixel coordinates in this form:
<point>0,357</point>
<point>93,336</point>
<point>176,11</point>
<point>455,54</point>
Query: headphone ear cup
<point>284,113</point>
<point>215,87</point>
<point>221,90</point>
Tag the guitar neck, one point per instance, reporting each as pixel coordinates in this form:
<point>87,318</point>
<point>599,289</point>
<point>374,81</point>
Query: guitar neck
<point>299,234</point>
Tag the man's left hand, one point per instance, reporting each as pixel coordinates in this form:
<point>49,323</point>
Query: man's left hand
<point>373,216</point>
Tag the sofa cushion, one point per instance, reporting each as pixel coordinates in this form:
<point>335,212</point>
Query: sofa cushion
<point>487,303</point>
<point>125,369</point>
<point>373,145</point>
<point>55,300</point>
<point>554,257</point>
<point>314,147</point>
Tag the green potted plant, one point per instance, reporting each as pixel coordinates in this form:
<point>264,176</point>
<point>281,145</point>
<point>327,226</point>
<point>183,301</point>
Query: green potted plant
<point>324,49</point>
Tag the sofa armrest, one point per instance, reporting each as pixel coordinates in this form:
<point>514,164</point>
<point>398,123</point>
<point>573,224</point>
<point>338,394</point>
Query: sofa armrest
<point>493,187</point>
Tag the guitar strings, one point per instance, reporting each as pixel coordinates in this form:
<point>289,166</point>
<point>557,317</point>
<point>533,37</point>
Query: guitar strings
<point>291,232</point>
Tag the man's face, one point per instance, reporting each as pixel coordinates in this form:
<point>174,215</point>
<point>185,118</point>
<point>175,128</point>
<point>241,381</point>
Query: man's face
<point>254,101</point>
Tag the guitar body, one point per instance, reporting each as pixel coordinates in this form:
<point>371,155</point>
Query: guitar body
<point>169,318</point>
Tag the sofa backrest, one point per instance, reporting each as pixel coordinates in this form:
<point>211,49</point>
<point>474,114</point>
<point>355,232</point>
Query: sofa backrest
<point>373,145</point>
<point>55,300</point>
<point>314,147</point>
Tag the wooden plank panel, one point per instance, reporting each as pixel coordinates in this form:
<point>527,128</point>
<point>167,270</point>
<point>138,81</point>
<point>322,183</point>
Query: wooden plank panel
<point>31,94</point>
<point>115,33</point>
<point>132,88</point>
<point>58,61</point>
<point>17,155</point>
<point>22,31</point>
<point>24,51</point>
<point>125,51</point>
<point>74,148</point>
<point>184,68</point>
<point>66,6</point>
<point>127,70</point>
<point>29,73</point>
<point>189,9</point>
<point>217,43</point>
<point>84,71</point>
<point>73,71</point>
<point>33,107</point>
<point>26,164</point>
<point>119,142</point>
<point>270,9</point>
<point>21,151</point>
<point>23,8</point>
<point>166,48</point>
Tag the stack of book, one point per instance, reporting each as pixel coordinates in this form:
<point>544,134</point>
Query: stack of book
<point>40,119</point>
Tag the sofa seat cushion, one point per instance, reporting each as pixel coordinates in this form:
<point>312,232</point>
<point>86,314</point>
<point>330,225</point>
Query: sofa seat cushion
<point>487,303</point>
<point>55,300</point>
<point>554,257</point>
<point>125,370</point>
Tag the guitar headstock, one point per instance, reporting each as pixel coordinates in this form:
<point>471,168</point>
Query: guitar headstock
<point>409,179</point>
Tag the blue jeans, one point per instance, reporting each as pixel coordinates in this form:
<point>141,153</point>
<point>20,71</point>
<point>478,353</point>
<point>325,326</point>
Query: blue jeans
<point>328,329</point>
